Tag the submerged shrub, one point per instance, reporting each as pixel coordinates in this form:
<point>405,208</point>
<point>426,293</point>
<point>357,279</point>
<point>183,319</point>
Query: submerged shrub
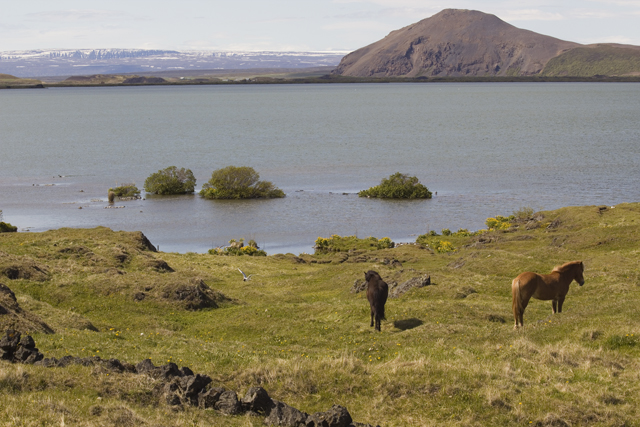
<point>5,227</point>
<point>170,181</point>
<point>241,182</point>
<point>398,186</point>
<point>126,190</point>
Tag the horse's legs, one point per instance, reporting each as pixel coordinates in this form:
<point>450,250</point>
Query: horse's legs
<point>560,302</point>
<point>554,306</point>
<point>371,317</point>
<point>377,323</point>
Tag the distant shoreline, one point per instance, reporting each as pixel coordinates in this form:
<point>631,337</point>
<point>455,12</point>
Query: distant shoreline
<point>330,79</point>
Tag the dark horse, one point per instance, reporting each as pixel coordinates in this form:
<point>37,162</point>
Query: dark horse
<point>377,293</point>
<point>553,286</point>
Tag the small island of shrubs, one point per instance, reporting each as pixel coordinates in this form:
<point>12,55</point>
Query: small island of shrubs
<point>235,182</point>
<point>5,227</point>
<point>170,181</point>
<point>398,186</point>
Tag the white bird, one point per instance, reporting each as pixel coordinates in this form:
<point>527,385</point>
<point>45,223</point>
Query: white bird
<point>245,277</point>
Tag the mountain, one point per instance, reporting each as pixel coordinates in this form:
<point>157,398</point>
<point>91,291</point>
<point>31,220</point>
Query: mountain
<point>458,42</point>
<point>70,62</point>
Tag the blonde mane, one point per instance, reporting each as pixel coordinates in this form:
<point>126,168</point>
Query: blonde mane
<point>565,266</point>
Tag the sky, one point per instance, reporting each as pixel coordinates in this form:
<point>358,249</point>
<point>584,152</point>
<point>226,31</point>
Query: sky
<point>285,25</point>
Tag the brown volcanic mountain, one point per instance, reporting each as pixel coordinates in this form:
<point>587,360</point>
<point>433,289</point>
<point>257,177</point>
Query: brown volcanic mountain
<point>455,42</point>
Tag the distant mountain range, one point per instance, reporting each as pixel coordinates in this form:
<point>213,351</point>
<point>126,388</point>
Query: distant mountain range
<point>461,43</point>
<point>69,62</point>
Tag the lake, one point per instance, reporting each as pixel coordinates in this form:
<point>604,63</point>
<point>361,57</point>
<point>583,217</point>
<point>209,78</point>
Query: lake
<point>486,148</point>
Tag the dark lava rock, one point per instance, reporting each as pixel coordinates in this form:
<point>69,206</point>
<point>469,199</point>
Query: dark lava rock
<point>209,398</point>
<point>257,401</point>
<point>358,286</point>
<point>28,342</point>
<point>337,416</point>
<point>192,386</point>
<point>186,371</point>
<point>228,403</point>
<point>416,282</point>
<point>282,414</point>
<point>47,362</point>
<point>145,366</point>
<point>165,372</point>
<point>113,365</point>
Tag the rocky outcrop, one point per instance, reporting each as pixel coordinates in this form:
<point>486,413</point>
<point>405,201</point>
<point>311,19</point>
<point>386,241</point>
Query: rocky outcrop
<point>13,317</point>
<point>415,282</point>
<point>179,387</point>
<point>455,43</point>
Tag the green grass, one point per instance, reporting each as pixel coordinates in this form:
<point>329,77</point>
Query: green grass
<point>603,60</point>
<point>298,331</point>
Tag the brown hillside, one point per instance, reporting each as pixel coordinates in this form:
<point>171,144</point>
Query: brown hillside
<point>455,42</point>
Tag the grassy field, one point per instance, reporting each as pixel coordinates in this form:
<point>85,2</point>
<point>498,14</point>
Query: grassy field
<point>604,60</point>
<point>447,353</point>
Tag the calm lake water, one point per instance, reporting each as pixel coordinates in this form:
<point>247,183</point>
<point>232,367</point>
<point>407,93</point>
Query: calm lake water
<point>486,148</point>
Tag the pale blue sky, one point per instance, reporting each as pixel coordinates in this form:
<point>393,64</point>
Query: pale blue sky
<point>285,25</point>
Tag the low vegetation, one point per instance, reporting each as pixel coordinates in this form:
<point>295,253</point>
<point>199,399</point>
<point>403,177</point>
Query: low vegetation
<point>242,182</point>
<point>238,248</point>
<point>170,181</point>
<point>5,227</point>
<point>599,60</point>
<point>125,191</point>
<point>398,186</point>
<point>337,243</point>
<point>447,353</point>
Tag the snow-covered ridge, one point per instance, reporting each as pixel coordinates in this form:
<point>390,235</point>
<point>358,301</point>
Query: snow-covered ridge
<point>59,62</point>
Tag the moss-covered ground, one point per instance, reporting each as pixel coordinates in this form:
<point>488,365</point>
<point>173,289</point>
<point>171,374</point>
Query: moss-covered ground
<point>447,353</point>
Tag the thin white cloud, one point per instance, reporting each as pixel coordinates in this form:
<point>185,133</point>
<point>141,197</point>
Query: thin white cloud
<point>530,15</point>
<point>356,25</point>
<point>632,3</point>
<point>77,15</point>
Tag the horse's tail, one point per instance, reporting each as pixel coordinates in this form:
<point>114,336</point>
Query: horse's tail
<point>380,309</point>
<point>380,298</point>
<point>517,299</point>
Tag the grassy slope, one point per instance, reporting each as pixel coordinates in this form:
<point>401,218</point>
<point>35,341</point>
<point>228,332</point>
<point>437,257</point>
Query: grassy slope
<point>589,61</point>
<point>298,331</point>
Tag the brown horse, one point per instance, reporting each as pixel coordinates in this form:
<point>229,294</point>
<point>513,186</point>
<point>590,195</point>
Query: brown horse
<point>377,293</point>
<point>553,286</point>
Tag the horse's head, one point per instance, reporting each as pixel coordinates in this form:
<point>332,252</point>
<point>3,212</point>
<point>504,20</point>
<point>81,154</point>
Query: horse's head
<point>579,276</point>
<point>368,275</point>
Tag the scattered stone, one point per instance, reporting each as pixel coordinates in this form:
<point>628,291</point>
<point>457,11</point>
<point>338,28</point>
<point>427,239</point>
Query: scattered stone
<point>416,282</point>
<point>337,416</point>
<point>179,387</point>
<point>145,366</point>
<point>209,398</point>
<point>192,386</point>
<point>228,403</point>
<point>358,286</point>
<point>282,414</point>
<point>257,401</point>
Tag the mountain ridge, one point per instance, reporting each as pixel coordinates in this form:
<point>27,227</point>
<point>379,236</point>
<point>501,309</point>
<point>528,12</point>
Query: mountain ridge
<point>462,43</point>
